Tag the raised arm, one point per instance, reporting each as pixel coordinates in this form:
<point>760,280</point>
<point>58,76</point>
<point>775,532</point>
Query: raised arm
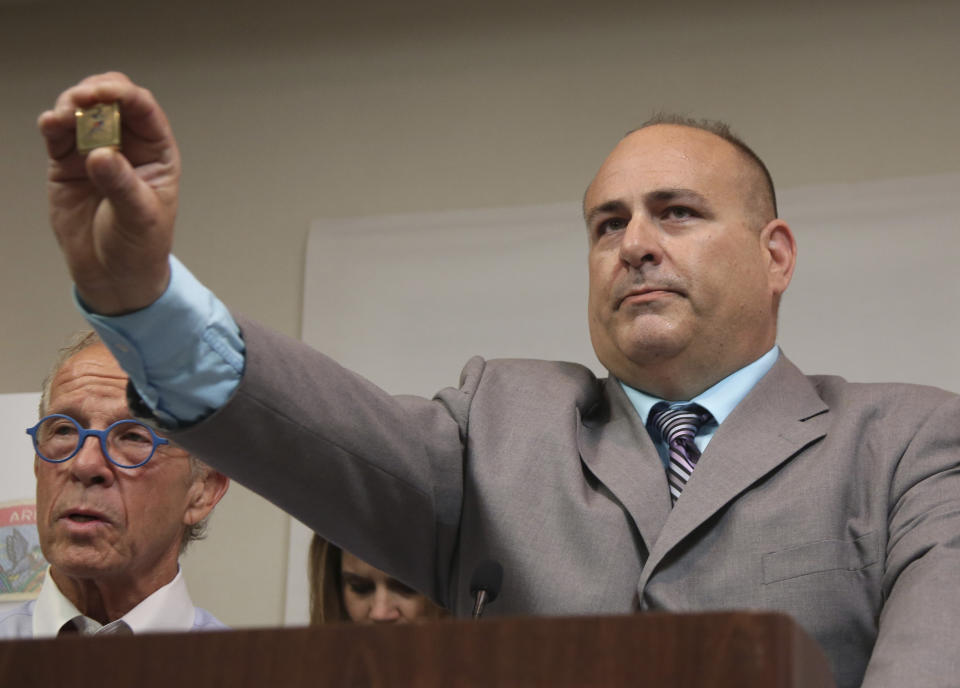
<point>113,211</point>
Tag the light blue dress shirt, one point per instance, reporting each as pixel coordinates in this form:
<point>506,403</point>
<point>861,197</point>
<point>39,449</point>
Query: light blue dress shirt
<point>719,400</point>
<point>183,353</point>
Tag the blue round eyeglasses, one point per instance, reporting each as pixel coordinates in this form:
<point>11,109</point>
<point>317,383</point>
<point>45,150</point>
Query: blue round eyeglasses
<point>126,443</point>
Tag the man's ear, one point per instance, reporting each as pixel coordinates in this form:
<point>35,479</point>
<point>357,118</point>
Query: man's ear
<point>780,250</point>
<point>207,489</point>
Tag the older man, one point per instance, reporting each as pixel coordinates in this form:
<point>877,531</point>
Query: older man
<point>706,472</point>
<point>116,506</point>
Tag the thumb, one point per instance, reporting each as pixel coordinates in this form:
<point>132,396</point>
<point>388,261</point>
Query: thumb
<point>114,177</point>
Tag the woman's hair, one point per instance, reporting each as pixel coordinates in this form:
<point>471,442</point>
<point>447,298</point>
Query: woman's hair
<point>324,566</point>
<point>323,572</point>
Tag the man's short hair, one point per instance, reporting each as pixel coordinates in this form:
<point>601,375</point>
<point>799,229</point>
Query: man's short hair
<point>76,343</point>
<point>721,129</point>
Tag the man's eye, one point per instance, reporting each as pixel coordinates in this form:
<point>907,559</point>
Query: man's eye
<point>678,212</point>
<point>57,428</point>
<point>132,437</point>
<point>130,434</point>
<point>613,224</point>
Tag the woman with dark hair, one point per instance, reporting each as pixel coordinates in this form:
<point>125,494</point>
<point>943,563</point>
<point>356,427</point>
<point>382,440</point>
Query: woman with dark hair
<point>345,588</point>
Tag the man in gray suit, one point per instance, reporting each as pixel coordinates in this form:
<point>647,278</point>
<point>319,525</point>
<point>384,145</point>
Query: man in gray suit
<point>838,503</point>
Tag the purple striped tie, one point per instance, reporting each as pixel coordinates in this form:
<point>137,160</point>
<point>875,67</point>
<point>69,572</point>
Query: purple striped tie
<point>678,426</point>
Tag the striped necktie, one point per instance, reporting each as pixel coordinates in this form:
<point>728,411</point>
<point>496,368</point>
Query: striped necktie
<point>118,627</point>
<point>678,426</point>
<point>81,625</point>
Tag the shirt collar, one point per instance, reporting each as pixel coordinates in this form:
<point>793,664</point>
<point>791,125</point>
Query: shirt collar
<point>719,400</point>
<point>169,608</point>
<point>52,610</point>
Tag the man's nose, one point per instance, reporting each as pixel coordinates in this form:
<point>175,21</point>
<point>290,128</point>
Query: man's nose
<point>384,608</point>
<point>641,242</point>
<point>89,465</point>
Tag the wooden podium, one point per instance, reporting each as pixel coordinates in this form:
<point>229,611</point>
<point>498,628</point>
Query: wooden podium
<point>735,650</point>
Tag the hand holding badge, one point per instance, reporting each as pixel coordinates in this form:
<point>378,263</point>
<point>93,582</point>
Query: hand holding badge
<point>113,212</point>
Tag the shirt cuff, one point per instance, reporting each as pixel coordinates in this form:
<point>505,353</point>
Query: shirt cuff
<point>184,352</point>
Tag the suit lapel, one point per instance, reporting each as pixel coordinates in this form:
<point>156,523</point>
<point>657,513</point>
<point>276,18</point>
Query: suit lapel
<point>616,448</point>
<point>778,418</point>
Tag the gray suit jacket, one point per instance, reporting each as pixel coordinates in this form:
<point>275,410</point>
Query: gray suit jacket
<point>838,503</point>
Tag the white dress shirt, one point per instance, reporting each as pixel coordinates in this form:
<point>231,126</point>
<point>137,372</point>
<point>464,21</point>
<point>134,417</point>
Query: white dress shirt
<point>168,609</point>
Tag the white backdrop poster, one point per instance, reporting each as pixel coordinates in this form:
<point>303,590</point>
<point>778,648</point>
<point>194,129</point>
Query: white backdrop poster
<point>21,563</point>
<point>406,300</point>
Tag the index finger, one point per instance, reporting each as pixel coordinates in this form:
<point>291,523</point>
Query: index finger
<point>139,111</point>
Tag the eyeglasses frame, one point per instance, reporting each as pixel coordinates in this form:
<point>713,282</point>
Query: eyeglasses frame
<point>86,433</point>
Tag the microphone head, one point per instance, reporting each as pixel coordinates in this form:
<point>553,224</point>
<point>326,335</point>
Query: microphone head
<point>487,576</point>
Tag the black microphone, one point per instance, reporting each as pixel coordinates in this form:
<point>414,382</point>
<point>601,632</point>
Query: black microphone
<point>485,584</point>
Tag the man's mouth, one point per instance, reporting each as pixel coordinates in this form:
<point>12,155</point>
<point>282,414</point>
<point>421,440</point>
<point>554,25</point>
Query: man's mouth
<point>645,294</point>
<point>83,518</point>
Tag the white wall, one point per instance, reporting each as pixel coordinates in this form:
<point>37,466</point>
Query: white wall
<point>292,111</point>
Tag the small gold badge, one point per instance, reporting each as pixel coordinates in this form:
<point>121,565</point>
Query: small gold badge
<point>98,126</point>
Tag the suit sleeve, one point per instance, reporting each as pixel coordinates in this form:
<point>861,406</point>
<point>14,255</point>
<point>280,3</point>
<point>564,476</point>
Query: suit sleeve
<point>919,625</point>
<point>378,475</point>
